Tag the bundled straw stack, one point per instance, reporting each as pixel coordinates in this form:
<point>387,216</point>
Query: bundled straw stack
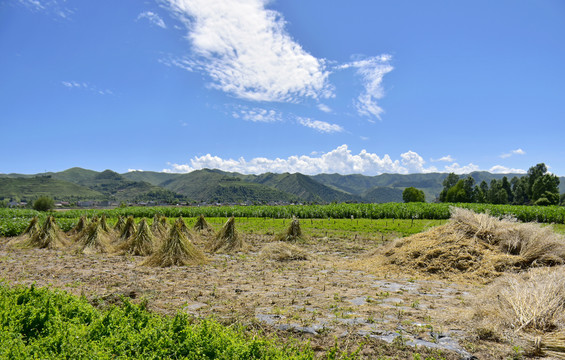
<point>228,239</point>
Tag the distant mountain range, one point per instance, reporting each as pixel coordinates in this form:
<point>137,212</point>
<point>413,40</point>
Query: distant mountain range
<point>216,186</point>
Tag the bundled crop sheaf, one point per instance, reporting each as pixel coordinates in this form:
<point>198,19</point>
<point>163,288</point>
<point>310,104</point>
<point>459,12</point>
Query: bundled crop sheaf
<point>104,224</point>
<point>176,250</point>
<point>93,239</point>
<point>120,224</point>
<point>140,244</point>
<point>128,230</point>
<point>81,225</point>
<point>201,224</point>
<point>293,232</point>
<point>49,236</point>
<point>228,239</point>
<point>282,251</point>
<point>159,226</point>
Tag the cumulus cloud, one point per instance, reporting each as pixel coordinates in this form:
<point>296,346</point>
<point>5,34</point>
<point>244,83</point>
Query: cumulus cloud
<point>257,114</point>
<point>340,160</point>
<point>246,51</point>
<point>513,152</point>
<point>458,169</point>
<point>318,125</point>
<point>499,169</point>
<point>153,19</point>
<point>447,158</point>
<point>371,70</point>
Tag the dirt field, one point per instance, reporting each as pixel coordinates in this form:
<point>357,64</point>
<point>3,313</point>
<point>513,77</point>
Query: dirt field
<point>320,300</point>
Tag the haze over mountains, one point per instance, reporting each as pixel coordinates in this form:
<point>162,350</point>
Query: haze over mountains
<point>216,186</point>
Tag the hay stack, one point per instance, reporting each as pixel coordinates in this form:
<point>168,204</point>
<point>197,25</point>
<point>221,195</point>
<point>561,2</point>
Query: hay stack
<point>128,230</point>
<point>228,239</point>
<point>528,304</point>
<point>120,224</point>
<point>159,226</point>
<point>293,233</point>
<point>104,224</point>
<point>176,250</point>
<point>281,251</point>
<point>202,225</point>
<point>49,236</point>
<point>471,246</point>
<point>81,225</point>
<point>32,228</point>
<point>141,244</point>
<point>93,240</point>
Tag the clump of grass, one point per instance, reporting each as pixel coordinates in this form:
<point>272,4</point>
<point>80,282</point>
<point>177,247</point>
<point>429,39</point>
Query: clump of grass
<point>93,239</point>
<point>128,230</point>
<point>140,244</point>
<point>293,233</point>
<point>281,251</point>
<point>49,236</point>
<point>228,239</point>
<point>176,250</point>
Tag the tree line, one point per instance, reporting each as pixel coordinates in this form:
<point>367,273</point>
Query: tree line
<point>537,187</point>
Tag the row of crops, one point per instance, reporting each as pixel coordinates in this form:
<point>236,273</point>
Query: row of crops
<point>13,221</point>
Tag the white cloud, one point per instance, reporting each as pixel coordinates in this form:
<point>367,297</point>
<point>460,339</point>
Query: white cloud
<point>324,108</point>
<point>340,160</point>
<point>86,86</point>
<point>318,125</point>
<point>50,7</point>
<point>246,51</point>
<point>499,169</point>
<point>153,18</point>
<point>372,70</point>
<point>257,114</point>
<point>458,169</point>
<point>447,158</point>
<point>513,152</point>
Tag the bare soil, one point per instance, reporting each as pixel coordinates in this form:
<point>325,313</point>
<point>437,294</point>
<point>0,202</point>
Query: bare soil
<point>322,300</point>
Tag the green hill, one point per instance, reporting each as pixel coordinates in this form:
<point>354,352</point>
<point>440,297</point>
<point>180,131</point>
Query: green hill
<point>27,189</point>
<point>151,177</point>
<point>383,194</point>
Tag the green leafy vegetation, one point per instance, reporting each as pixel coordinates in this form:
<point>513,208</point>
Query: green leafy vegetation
<point>45,323</point>
<point>411,194</point>
<point>43,203</point>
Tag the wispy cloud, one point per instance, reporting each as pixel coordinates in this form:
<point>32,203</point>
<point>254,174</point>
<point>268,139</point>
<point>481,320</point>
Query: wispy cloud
<point>513,152</point>
<point>246,51</point>
<point>257,114</point>
<point>86,86</point>
<point>50,7</point>
<point>318,125</point>
<point>340,160</point>
<point>371,70</point>
<point>153,19</point>
<point>447,158</point>
<point>324,108</point>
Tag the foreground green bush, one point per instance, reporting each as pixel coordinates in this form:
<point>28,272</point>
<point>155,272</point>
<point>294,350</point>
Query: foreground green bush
<point>47,324</point>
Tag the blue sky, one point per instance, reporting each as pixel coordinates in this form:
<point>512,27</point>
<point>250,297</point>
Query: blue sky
<point>254,86</point>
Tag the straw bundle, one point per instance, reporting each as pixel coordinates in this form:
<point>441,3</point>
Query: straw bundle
<point>176,250</point>
<point>228,239</point>
<point>49,236</point>
<point>159,226</point>
<point>120,224</point>
<point>93,240</point>
<point>81,225</point>
<point>104,224</point>
<point>140,244</point>
<point>128,230</point>
<point>201,224</point>
<point>293,232</point>
<point>281,251</point>
<point>32,228</point>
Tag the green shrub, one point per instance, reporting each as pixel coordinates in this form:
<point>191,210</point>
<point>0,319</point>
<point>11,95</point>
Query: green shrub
<point>44,203</point>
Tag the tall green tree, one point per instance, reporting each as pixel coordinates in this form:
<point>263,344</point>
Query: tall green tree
<point>449,182</point>
<point>411,194</point>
